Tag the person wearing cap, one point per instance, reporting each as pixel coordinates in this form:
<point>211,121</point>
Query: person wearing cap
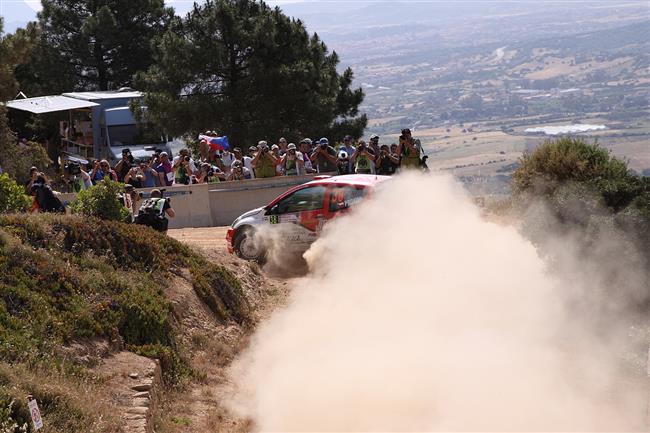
<point>276,151</point>
<point>408,150</point>
<point>210,174</point>
<point>165,170</point>
<point>292,162</point>
<point>349,150</point>
<point>239,172</point>
<point>184,167</point>
<point>373,143</point>
<point>305,150</point>
<point>245,160</point>
<point>264,162</point>
<point>363,159</point>
<point>325,157</point>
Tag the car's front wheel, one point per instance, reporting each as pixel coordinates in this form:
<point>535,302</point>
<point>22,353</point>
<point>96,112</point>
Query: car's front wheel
<point>248,246</point>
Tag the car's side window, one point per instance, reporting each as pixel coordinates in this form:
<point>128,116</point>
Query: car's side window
<point>344,196</point>
<point>305,199</point>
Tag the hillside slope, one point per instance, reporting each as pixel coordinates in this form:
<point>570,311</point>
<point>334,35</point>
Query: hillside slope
<point>80,299</point>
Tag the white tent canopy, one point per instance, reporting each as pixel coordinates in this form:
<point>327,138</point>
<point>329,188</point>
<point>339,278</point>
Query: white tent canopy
<point>49,104</point>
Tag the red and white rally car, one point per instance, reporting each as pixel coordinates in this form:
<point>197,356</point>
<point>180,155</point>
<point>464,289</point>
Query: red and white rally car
<point>298,215</point>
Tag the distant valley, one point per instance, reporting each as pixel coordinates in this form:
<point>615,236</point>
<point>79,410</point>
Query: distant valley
<point>471,77</point>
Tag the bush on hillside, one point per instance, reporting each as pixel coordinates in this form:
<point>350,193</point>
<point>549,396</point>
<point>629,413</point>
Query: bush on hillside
<point>566,161</point>
<point>570,190</point>
<point>68,277</point>
<point>12,195</point>
<point>101,201</point>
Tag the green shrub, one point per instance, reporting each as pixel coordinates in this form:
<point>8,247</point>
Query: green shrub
<point>221,292</point>
<point>12,195</point>
<point>101,201</point>
<point>16,160</point>
<point>557,163</point>
<point>12,418</point>
<point>145,316</point>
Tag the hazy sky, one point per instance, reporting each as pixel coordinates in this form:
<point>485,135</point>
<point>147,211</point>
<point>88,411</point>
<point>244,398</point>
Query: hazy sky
<point>18,12</point>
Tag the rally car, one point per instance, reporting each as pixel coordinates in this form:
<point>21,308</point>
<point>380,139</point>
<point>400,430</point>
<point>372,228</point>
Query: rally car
<point>295,219</point>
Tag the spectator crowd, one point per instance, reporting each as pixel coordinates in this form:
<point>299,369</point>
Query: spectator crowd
<point>263,160</point>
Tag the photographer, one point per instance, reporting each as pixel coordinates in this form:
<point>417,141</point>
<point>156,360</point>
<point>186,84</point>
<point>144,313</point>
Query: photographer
<point>101,170</point>
<point>408,151</point>
<point>292,162</point>
<point>245,160</point>
<point>363,159</point>
<point>135,177</point>
<point>264,161</point>
<point>76,177</point>
<point>325,157</point>
<point>150,174</point>
<point>210,174</point>
<point>386,163</point>
<point>154,212</point>
<point>122,168</point>
<point>183,168</point>
<point>349,150</point>
<point>343,166</point>
<point>239,172</point>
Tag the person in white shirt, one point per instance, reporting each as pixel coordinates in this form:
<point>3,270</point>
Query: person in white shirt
<point>305,151</point>
<point>246,160</point>
<point>292,162</point>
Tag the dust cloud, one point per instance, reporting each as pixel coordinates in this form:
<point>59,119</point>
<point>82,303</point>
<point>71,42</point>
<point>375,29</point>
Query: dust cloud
<point>420,315</point>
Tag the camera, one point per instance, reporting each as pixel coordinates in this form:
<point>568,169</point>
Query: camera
<point>72,168</point>
<point>361,147</point>
<point>186,159</point>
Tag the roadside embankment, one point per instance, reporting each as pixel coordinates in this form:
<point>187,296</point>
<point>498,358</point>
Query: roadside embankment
<point>86,306</point>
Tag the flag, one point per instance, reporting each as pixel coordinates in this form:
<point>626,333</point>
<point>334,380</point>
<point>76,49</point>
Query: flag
<point>216,143</point>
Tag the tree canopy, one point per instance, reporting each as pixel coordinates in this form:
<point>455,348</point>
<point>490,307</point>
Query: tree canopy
<point>250,71</point>
<point>13,50</point>
<point>92,45</point>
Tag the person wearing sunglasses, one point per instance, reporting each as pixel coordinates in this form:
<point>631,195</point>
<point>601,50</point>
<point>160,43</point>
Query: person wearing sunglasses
<point>102,170</point>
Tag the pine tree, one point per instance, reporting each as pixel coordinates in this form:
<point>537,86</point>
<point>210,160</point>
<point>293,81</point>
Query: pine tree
<point>13,50</point>
<point>250,71</point>
<point>93,45</point>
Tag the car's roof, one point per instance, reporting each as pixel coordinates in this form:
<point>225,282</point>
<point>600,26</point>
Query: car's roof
<point>350,179</point>
<point>362,180</point>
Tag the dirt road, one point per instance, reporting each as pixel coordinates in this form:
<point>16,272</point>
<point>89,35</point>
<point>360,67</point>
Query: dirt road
<point>207,238</point>
<point>198,407</point>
